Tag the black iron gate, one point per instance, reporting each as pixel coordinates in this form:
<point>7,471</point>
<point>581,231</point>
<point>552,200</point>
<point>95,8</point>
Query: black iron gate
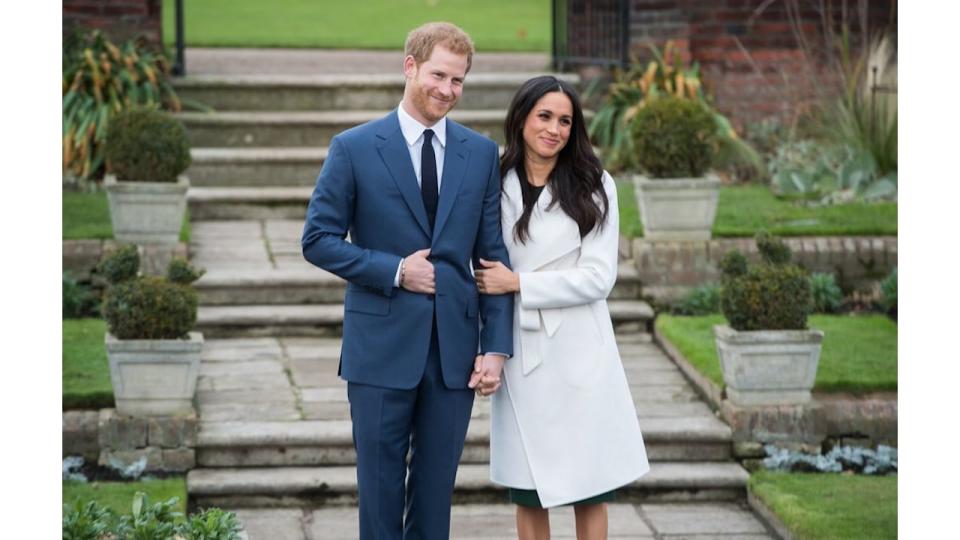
<point>590,32</point>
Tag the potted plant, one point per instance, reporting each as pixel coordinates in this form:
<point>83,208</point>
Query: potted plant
<point>675,142</point>
<point>768,356</point>
<point>154,357</point>
<point>146,152</point>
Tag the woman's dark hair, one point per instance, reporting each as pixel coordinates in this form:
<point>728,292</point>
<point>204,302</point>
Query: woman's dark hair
<point>578,174</point>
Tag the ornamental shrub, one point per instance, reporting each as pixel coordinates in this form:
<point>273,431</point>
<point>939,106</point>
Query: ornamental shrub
<point>122,265</point>
<point>701,300</point>
<point>146,145</point>
<point>771,295</point>
<point>888,291</point>
<point>827,296</point>
<point>674,138</point>
<point>149,307</point>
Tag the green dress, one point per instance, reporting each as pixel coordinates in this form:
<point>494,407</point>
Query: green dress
<point>529,498</point>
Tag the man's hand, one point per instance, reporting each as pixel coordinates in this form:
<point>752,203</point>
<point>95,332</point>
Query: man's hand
<point>418,273</point>
<point>485,378</point>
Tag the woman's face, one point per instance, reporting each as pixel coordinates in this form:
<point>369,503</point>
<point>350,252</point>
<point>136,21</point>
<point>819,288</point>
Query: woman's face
<point>547,128</point>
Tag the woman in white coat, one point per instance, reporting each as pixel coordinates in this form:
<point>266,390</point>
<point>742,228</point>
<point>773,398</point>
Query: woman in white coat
<point>564,428</point>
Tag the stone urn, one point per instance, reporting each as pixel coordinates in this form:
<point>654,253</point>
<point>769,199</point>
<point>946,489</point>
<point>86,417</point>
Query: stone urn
<point>147,212</point>
<point>677,208</point>
<point>154,377</point>
<point>768,367</point>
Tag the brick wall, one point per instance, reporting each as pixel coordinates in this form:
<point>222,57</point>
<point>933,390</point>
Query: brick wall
<point>120,20</point>
<point>749,57</point>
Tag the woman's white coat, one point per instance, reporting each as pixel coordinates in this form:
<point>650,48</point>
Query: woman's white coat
<point>564,421</point>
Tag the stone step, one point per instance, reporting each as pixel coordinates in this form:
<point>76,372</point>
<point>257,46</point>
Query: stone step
<point>315,286</point>
<point>233,203</point>
<point>256,167</point>
<point>339,92</point>
<point>305,129</point>
<point>327,319</point>
<point>337,485</point>
<point>329,442</point>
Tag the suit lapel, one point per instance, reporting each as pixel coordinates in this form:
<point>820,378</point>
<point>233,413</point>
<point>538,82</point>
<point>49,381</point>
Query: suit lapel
<point>393,150</point>
<point>455,157</point>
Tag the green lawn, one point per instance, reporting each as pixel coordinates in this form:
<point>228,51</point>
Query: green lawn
<point>87,215</point>
<point>86,374</point>
<point>494,25</point>
<point>744,210</point>
<point>859,352</point>
<point>118,496</point>
<point>830,506</point>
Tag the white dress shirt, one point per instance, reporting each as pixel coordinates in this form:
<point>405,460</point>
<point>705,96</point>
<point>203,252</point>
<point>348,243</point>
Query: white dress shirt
<point>413,133</point>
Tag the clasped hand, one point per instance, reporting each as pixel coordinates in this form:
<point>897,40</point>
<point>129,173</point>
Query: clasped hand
<point>485,379</point>
<point>496,278</point>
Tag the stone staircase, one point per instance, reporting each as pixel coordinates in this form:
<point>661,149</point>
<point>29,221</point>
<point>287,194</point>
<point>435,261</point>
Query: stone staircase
<point>274,417</point>
<point>273,132</point>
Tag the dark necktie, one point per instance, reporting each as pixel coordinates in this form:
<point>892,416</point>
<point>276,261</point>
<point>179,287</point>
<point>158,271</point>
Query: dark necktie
<point>428,177</point>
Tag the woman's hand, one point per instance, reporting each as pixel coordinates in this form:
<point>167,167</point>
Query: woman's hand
<point>496,278</point>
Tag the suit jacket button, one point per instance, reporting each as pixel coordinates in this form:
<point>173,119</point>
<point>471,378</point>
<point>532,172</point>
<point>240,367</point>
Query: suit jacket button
<point>430,297</point>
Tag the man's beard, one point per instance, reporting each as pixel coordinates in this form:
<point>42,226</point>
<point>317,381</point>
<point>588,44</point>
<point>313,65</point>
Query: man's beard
<point>427,106</point>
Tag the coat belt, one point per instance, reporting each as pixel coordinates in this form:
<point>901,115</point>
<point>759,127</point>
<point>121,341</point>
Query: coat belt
<point>531,322</point>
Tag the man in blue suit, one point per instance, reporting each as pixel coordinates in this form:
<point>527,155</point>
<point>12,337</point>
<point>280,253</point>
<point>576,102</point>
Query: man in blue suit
<point>419,195</point>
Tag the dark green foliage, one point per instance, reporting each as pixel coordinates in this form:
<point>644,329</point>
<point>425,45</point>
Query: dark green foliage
<point>674,138</point>
<point>212,524</point>
<point>85,521</point>
<point>182,272</point>
<point>702,300</point>
<point>147,145</point>
<point>772,295</point>
<point>772,249</point>
<point>888,290</point>
<point>733,264</point>
<point>150,308</point>
<point>148,521</point>
<point>78,301</point>
<point>121,265</point>
<point>827,296</point>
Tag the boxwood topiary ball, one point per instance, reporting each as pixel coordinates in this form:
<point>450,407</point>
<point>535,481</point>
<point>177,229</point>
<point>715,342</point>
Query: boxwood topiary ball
<point>150,308</point>
<point>146,145</point>
<point>674,138</point>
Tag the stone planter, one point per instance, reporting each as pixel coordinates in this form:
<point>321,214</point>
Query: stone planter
<point>768,367</point>
<point>677,208</point>
<point>147,212</point>
<point>154,377</point>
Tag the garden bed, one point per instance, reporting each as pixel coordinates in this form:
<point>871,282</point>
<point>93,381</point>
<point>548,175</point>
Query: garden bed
<point>118,496</point>
<point>859,352</point>
<point>87,216</point>
<point>744,210</point>
<point>813,506</point>
<point>854,396</point>
<point>86,372</point>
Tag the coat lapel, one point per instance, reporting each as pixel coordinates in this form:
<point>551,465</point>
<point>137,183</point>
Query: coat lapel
<point>393,150</point>
<point>552,233</point>
<point>455,157</point>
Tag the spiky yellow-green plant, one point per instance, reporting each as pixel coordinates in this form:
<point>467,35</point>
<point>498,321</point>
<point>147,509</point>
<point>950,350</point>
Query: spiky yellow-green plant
<point>101,79</point>
<point>665,75</point>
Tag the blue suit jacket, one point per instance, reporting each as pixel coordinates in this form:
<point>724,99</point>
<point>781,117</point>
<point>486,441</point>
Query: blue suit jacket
<point>368,187</point>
